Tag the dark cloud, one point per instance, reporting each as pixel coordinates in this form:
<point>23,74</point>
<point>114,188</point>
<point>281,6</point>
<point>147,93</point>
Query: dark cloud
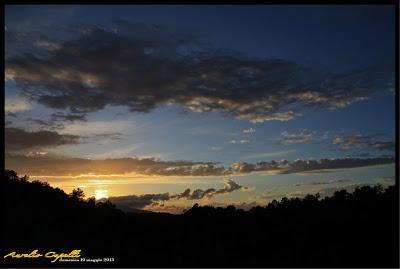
<point>42,123</point>
<point>229,186</point>
<point>143,67</point>
<point>363,155</point>
<point>363,141</point>
<point>57,120</point>
<point>287,167</point>
<point>19,139</point>
<point>52,165</point>
<point>247,206</point>
<point>312,165</point>
<point>130,202</point>
<point>58,116</point>
<point>56,166</point>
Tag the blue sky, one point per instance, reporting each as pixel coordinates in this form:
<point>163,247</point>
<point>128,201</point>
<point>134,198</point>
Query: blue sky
<point>221,84</point>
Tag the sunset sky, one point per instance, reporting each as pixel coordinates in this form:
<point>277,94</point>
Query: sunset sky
<point>161,107</point>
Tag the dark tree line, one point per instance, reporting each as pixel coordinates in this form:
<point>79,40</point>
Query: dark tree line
<point>358,229</point>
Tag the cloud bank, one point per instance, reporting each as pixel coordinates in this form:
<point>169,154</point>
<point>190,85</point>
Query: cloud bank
<point>56,166</point>
<point>19,139</point>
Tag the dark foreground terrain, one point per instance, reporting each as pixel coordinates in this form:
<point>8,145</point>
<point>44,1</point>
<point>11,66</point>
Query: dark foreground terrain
<point>347,230</point>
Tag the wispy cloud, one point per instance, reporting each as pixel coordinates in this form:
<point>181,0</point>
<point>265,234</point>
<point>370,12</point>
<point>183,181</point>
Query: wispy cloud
<point>241,142</point>
<point>96,127</point>
<point>385,179</point>
<point>325,182</point>
<point>48,45</point>
<point>249,130</point>
<point>296,138</point>
<point>363,141</point>
<point>207,130</point>
<point>119,152</point>
<point>269,154</point>
<point>16,104</point>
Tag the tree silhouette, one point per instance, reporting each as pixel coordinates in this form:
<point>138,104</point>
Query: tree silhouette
<point>77,194</point>
<point>358,229</point>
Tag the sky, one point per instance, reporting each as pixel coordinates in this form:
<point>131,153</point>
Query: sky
<point>160,107</point>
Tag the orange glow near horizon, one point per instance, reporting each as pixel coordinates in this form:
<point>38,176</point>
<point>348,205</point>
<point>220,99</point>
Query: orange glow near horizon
<point>99,194</point>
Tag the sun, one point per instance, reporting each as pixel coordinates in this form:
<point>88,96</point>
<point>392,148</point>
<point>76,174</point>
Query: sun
<point>100,194</point>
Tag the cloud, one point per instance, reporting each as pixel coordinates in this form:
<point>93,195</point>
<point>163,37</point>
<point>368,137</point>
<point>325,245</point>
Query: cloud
<point>241,142</point>
<point>57,166</point>
<point>287,167</point>
<point>96,127</point>
<point>166,208</point>
<point>116,152</point>
<point>325,135</point>
<point>387,179</point>
<point>269,154</point>
<point>130,202</point>
<point>48,45</point>
<point>337,141</point>
<point>246,206</point>
<point>50,165</point>
<point>313,165</point>
<point>363,141</point>
<point>16,104</point>
<point>108,136</point>
<point>296,194</point>
<point>389,146</point>
<point>331,181</point>
<point>249,130</point>
<point>229,186</point>
<point>58,116</point>
<point>19,139</point>
<point>207,130</point>
<point>57,120</point>
<point>325,182</point>
<point>296,138</point>
<point>143,67</point>
<point>141,201</point>
<point>269,195</point>
<point>259,117</point>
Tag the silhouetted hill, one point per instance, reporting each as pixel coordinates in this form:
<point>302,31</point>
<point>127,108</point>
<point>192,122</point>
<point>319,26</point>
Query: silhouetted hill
<point>357,229</point>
